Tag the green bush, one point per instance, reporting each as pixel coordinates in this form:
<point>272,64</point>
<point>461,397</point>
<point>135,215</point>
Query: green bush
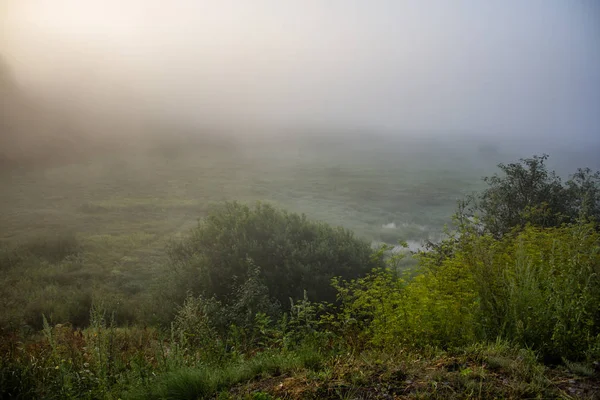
<point>293,253</point>
<point>432,309</point>
<point>539,289</point>
<point>527,193</point>
<point>196,326</point>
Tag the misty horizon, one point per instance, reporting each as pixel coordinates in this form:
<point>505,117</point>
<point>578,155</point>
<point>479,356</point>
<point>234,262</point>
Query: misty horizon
<point>512,71</point>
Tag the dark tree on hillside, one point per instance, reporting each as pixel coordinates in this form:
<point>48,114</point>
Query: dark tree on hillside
<point>584,189</point>
<point>527,193</point>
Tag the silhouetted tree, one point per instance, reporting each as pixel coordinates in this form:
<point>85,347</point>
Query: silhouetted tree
<point>527,193</point>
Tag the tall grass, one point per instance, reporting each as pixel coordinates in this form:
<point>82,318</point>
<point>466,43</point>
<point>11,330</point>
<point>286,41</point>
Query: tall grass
<point>204,381</point>
<point>538,289</point>
<point>541,289</point>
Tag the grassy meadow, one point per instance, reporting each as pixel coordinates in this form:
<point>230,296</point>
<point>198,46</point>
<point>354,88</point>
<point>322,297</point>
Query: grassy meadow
<point>133,275</point>
<point>115,213</point>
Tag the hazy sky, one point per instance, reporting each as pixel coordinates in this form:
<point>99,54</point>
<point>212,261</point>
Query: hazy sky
<point>486,67</point>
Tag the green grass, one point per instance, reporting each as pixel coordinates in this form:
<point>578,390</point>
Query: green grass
<point>107,362</point>
<point>204,382</point>
<point>99,229</point>
<point>93,235</point>
<point>470,372</point>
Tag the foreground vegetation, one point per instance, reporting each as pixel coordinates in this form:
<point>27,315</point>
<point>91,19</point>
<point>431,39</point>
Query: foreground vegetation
<point>136,364</point>
<point>273,305</point>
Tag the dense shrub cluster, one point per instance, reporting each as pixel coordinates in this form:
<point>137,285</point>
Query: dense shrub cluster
<point>539,288</point>
<point>526,192</point>
<point>523,265</point>
<point>291,253</point>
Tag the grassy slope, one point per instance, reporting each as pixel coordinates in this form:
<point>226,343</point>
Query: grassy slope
<point>136,363</point>
<point>484,373</point>
<point>479,372</point>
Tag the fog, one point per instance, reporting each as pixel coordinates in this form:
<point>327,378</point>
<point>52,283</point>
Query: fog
<point>125,126</point>
<point>515,70</point>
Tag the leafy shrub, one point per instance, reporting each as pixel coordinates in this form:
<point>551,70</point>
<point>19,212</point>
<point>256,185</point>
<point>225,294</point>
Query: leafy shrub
<point>250,299</point>
<point>527,193</point>
<point>293,254</point>
<point>368,307</point>
<point>240,325</point>
<point>304,326</point>
<point>195,319</point>
<point>540,288</point>
<point>433,309</point>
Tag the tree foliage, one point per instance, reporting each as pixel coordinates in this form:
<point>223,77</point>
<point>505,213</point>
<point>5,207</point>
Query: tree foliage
<point>527,193</point>
<point>523,265</point>
<point>292,254</point>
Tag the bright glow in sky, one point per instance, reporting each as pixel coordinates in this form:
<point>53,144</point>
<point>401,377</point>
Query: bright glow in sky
<point>511,66</point>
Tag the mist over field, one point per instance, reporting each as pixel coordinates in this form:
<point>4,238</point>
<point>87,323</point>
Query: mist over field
<point>377,116</point>
<point>188,187</point>
<point>340,101</point>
